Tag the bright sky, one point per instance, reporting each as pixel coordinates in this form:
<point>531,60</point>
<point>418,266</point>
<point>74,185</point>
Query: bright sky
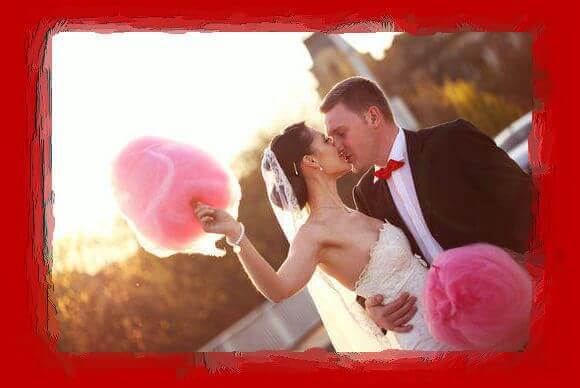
<point>213,90</point>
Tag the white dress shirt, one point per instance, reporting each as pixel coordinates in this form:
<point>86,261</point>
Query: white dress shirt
<point>404,195</point>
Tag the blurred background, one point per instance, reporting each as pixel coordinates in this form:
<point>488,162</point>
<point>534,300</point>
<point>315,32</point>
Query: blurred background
<point>230,93</point>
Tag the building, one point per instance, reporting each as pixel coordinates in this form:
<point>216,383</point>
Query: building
<point>292,324</point>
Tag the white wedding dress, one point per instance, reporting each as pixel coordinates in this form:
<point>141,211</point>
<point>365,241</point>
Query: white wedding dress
<point>392,270</point>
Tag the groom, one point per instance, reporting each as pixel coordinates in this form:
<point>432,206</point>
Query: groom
<point>444,186</point>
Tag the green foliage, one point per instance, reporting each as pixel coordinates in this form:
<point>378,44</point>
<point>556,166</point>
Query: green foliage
<point>487,111</point>
<point>436,103</point>
<point>429,103</point>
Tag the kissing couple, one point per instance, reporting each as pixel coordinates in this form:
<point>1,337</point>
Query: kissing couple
<point>423,193</point>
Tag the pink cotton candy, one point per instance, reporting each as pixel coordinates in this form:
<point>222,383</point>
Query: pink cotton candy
<point>154,180</point>
<point>478,297</point>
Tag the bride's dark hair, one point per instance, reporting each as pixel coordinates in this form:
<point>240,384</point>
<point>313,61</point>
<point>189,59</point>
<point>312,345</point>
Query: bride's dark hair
<point>289,148</point>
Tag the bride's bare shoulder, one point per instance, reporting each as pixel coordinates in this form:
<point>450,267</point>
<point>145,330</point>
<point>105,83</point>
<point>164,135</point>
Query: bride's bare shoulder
<point>318,232</point>
<point>309,228</point>
<point>308,240</point>
<point>312,231</point>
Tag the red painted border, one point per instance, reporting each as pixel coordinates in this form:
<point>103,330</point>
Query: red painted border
<point>29,334</point>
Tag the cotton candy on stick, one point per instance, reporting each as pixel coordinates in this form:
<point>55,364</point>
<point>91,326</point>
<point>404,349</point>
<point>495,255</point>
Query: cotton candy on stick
<point>154,180</point>
<point>478,297</point>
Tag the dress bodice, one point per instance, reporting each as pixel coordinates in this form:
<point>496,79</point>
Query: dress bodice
<point>393,269</point>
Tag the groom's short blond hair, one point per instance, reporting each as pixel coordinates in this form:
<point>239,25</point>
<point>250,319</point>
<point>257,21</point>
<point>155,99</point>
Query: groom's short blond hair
<point>357,94</point>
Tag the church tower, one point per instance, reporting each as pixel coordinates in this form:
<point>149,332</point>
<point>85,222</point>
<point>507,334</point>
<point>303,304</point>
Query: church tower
<point>334,60</point>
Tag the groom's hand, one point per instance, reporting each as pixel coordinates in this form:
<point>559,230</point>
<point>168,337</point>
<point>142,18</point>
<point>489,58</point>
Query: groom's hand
<point>392,316</point>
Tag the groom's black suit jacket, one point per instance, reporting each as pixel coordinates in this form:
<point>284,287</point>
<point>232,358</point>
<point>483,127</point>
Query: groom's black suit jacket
<point>469,189</point>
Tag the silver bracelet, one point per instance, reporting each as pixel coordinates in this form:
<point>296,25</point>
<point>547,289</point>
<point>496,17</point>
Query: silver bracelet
<point>239,240</point>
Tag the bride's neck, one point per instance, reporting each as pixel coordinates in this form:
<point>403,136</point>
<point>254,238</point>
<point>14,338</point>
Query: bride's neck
<point>323,194</point>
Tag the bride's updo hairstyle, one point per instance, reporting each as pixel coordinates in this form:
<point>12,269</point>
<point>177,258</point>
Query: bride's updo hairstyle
<point>289,148</point>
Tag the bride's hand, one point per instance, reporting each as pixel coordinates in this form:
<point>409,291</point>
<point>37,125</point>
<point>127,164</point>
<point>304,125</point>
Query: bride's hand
<point>216,220</point>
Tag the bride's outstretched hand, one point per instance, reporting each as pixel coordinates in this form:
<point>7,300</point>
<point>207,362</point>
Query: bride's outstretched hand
<point>216,220</point>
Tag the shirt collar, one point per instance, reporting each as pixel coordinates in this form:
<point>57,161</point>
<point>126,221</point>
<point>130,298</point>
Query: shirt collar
<point>398,150</point>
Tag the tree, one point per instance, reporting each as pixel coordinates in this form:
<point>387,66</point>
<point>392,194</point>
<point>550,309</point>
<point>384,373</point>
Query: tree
<point>487,111</point>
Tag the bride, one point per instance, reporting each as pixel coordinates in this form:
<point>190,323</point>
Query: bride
<point>364,255</point>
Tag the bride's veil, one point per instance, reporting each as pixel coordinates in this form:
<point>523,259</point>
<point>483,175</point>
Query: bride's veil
<point>345,321</point>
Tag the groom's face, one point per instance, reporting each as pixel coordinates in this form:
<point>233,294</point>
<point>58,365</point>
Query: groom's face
<point>352,136</point>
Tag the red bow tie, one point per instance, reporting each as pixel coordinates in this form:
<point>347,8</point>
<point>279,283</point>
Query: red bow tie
<point>385,172</point>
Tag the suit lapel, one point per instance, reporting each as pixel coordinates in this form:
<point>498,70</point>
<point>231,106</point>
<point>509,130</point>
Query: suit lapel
<point>391,212</point>
<point>417,163</point>
<point>414,153</point>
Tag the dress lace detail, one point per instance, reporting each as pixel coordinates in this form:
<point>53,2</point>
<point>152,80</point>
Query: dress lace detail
<point>393,269</point>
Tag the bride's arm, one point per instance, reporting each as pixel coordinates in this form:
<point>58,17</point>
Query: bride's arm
<point>276,286</point>
<point>291,277</point>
